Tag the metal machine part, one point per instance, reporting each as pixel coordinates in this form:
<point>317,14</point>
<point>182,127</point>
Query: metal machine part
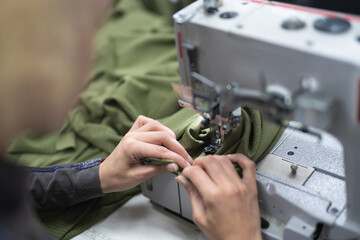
<point>285,169</point>
<point>308,73</point>
<point>332,25</point>
<point>163,190</point>
<point>293,23</point>
<point>211,6</point>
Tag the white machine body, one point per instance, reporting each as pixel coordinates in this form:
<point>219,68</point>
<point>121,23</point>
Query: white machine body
<point>270,56</point>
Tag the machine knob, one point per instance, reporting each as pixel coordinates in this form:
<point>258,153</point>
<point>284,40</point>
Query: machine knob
<point>332,25</point>
<point>293,23</point>
<point>228,15</point>
<point>294,169</point>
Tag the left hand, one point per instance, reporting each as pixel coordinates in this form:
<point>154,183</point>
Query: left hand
<point>124,168</point>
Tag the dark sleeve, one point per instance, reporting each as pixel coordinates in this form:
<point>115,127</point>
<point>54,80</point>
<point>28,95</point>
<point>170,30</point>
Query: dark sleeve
<point>64,185</point>
<point>18,220</point>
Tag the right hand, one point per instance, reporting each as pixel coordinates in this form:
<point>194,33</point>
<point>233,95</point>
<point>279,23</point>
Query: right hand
<point>224,205</point>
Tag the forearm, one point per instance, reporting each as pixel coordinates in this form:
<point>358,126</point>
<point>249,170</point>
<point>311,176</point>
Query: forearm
<point>64,185</point>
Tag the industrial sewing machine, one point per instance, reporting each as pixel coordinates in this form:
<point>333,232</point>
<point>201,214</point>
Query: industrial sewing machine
<point>292,63</point>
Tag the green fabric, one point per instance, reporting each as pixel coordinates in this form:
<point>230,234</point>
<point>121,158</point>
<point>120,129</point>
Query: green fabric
<point>136,62</point>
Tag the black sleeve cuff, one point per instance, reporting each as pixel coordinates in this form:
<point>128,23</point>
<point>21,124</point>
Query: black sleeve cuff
<point>88,183</point>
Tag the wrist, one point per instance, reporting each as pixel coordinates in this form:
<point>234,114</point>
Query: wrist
<point>105,181</point>
<point>244,236</point>
<point>255,236</point>
<point>258,236</point>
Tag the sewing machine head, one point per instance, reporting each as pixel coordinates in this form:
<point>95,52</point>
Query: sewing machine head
<point>265,56</point>
<point>293,63</point>
<point>300,67</point>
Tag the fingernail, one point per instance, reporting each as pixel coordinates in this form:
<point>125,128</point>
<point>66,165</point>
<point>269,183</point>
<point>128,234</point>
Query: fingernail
<point>230,156</point>
<point>181,180</point>
<point>190,159</point>
<point>188,164</point>
<point>172,167</point>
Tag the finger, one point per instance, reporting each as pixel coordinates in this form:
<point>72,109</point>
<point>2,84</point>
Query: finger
<point>200,179</point>
<point>163,138</point>
<point>140,121</point>
<point>230,170</point>
<point>248,167</point>
<point>155,126</point>
<point>146,150</point>
<point>197,203</point>
<point>214,168</point>
<point>172,167</point>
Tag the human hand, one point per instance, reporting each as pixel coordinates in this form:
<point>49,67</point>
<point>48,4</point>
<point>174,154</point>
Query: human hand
<point>224,205</point>
<point>124,168</point>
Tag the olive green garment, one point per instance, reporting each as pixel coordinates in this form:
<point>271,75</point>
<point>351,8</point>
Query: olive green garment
<point>136,62</point>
